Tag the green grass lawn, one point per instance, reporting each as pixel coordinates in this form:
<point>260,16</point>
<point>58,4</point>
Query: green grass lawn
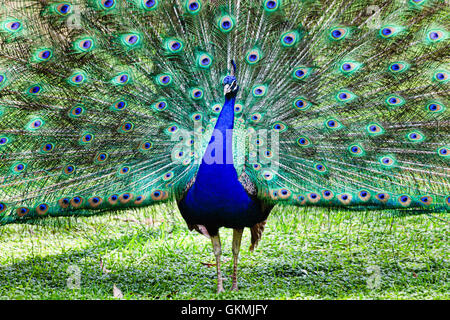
<point>304,254</point>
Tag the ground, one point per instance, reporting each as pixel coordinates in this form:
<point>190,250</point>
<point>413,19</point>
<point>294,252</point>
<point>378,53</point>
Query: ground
<point>304,254</point>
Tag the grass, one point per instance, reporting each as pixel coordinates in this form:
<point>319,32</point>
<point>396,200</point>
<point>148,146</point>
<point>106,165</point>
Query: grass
<point>150,254</point>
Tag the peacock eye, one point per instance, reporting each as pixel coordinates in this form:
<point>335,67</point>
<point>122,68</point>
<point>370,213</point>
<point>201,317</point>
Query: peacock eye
<point>226,24</point>
<point>204,61</point>
<point>253,56</point>
<point>196,93</point>
<point>84,45</point>
<point>271,5</point>
<point>289,39</point>
<point>63,9</point>
<point>42,55</point>
<point>35,89</point>
<point>107,4</point>
<point>13,26</point>
<point>193,6</point>
<point>443,152</point>
<point>440,76</point>
<point>338,33</point>
<point>435,36</point>
<point>356,150</point>
<point>259,91</point>
<point>415,136</point>
<point>303,141</point>
<point>149,4</point>
<point>333,124</point>
<point>387,32</point>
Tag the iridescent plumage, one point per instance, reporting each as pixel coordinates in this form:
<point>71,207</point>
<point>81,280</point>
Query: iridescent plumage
<point>111,104</point>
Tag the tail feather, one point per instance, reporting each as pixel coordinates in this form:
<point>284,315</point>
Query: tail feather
<point>95,96</point>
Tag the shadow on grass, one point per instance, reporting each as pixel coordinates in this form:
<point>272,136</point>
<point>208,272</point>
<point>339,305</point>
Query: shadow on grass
<point>176,275</point>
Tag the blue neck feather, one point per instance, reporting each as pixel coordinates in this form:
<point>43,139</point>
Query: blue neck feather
<point>217,195</point>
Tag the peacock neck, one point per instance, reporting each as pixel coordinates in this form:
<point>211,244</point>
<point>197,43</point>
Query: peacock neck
<point>224,128</point>
<point>226,117</point>
<point>217,161</point>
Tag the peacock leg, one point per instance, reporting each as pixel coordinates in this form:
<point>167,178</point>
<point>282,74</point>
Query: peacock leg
<point>237,237</point>
<point>217,252</point>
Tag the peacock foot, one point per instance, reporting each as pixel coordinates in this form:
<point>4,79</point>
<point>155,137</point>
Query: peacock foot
<point>220,288</point>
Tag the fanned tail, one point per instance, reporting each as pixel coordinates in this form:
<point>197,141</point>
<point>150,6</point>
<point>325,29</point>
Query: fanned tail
<point>107,104</point>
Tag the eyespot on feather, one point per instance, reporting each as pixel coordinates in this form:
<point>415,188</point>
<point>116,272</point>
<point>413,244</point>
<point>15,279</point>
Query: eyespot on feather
<point>253,56</point>
<point>364,195</point>
<point>426,200</point>
<point>76,111</point>
<point>303,141</point>
<point>204,61</point>
<point>76,202</point>
<point>333,124</point>
<point>84,45</point>
<point>356,150</point>
<point>225,23</point>
<point>95,202</point>
<point>289,39</point>
<point>42,55</point>
<point>3,207</point>
<point>86,138</point>
<point>320,168</point>
<point>18,168</point>
<point>349,67</point>
<point>338,33</point>
<point>63,8</point>
<point>389,31</point>
<point>327,194</point>
<point>125,198</point>
<point>404,200</point>
<point>64,203</point>
<point>173,45</point>
<point>69,169</point>
<point>164,79</point>
<point>443,152</point>
<point>106,4</point>
<point>139,199</point>
<point>12,26</point>
<point>415,136</point>
<point>113,199</point>
<point>193,6</point>
<point>101,157</point>
<point>259,91</point>
<point>313,197</point>
<point>374,129</point>
<point>345,96</point>
<point>42,209</point>
<point>22,211</point>
<point>149,5</point>
<point>146,145</point>
<point>345,198</point>
<point>157,195</point>
<point>382,197</point>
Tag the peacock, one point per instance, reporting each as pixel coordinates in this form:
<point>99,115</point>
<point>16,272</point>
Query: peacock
<point>225,107</point>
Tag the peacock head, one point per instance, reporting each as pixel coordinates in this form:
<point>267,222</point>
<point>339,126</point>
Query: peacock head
<point>230,87</point>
